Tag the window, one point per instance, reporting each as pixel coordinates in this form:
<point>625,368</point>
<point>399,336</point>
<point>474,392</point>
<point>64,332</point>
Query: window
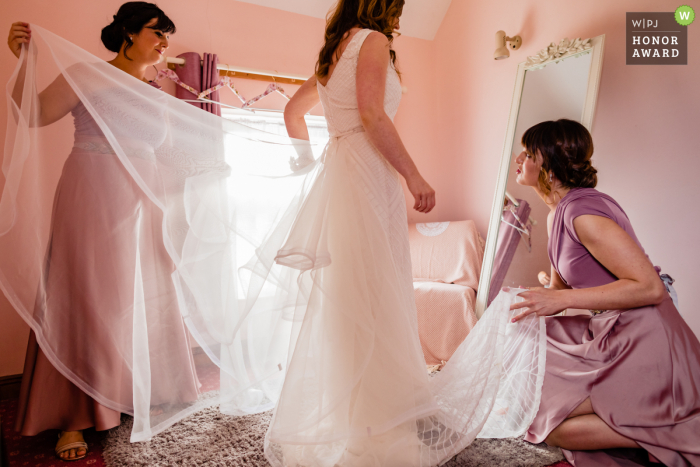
<point>259,187</point>
<point>273,122</point>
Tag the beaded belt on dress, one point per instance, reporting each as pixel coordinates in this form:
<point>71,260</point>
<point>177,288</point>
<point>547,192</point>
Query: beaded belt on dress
<point>358,129</point>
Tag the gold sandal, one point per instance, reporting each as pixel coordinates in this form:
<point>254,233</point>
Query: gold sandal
<point>68,446</point>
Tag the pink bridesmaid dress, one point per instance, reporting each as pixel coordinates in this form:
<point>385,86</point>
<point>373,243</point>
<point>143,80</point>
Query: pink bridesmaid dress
<point>89,292</point>
<point>640,367</point>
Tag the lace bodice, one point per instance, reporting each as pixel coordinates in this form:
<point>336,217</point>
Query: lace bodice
<point>339,96</point>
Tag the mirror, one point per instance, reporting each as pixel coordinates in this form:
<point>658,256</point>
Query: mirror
<point>549,86</point>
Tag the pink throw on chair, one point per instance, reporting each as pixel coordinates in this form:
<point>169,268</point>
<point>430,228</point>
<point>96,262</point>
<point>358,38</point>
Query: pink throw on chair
<point>446,260</point>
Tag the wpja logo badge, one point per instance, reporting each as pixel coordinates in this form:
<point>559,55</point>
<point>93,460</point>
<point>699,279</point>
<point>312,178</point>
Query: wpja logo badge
<point>658,38</point>
<point>684,15</point>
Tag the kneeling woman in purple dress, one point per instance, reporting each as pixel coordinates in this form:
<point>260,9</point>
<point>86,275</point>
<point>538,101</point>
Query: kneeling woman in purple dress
<point>627,379</point>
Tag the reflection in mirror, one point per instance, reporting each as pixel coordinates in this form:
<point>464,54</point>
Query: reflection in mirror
<point>550,93</point>
<point>565,86</point>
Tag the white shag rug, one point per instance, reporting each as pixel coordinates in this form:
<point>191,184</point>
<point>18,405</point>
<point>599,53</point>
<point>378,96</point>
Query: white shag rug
<point>209,438</point>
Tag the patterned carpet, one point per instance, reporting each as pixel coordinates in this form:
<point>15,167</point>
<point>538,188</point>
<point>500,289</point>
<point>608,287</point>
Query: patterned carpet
<point>211,439</point>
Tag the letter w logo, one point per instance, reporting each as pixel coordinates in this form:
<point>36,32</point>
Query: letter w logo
<point>685,15</point>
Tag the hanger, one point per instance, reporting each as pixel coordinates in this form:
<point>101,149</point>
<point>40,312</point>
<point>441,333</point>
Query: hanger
<point>521,230</point>
<point>209,101</point>
<point>224,82</point>
<point>201,96</point>
<point>274,87</point>
<point>170,74</point>
<point>517,204</point>
<point>524,230</point>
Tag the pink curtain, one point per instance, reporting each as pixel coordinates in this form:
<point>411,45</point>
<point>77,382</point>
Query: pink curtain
<point>201,75</point>
<point>508,239</point>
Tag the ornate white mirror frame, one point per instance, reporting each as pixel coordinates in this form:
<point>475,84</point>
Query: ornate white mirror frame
<point>550,55</point>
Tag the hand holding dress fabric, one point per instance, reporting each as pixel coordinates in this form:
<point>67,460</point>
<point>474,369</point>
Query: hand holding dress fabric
<point>305,156</point>
<point>538,300</point>
<point>636,378</point>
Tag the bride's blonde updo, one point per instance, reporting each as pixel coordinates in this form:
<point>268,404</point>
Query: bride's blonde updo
<point>566,148</point>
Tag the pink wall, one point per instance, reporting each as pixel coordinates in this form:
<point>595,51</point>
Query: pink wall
<point>241,34</point>
<point>645,129</point>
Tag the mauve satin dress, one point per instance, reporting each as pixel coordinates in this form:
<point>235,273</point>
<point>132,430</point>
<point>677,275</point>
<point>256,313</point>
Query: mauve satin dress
<point>640,367</point>
<point>89,285</point>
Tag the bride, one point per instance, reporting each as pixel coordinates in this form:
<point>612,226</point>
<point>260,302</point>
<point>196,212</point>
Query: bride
<point>356,391</point>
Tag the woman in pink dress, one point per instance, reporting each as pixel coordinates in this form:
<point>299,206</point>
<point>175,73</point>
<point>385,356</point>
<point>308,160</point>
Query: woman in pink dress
<point>627,379</point>
<point>88,284</point>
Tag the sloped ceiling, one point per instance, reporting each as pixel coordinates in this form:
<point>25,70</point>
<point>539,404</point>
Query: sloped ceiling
<point>420,19</point>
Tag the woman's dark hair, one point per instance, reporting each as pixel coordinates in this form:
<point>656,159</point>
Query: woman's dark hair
<point>131,19</point>
<point>378,15</point>
<point>566,148</point>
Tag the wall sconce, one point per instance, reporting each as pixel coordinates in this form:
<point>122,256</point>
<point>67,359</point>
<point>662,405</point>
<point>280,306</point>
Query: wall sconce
<point>501,49</point>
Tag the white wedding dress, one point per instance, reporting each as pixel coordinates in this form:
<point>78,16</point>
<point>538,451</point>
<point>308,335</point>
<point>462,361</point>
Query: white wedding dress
<point>356,390</point>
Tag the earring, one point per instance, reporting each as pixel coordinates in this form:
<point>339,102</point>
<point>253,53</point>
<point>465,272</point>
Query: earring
<point>550,177</point>
<point>131,38</point>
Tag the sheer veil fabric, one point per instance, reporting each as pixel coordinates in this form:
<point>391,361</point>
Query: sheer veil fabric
<point>166,205</point>
<point>295,284</point>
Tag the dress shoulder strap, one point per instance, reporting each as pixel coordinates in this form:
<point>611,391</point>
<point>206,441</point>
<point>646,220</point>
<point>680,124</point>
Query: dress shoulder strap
<point>352,51</point>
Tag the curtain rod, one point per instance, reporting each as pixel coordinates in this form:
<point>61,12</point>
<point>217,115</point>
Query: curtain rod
<point>252,73</point>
